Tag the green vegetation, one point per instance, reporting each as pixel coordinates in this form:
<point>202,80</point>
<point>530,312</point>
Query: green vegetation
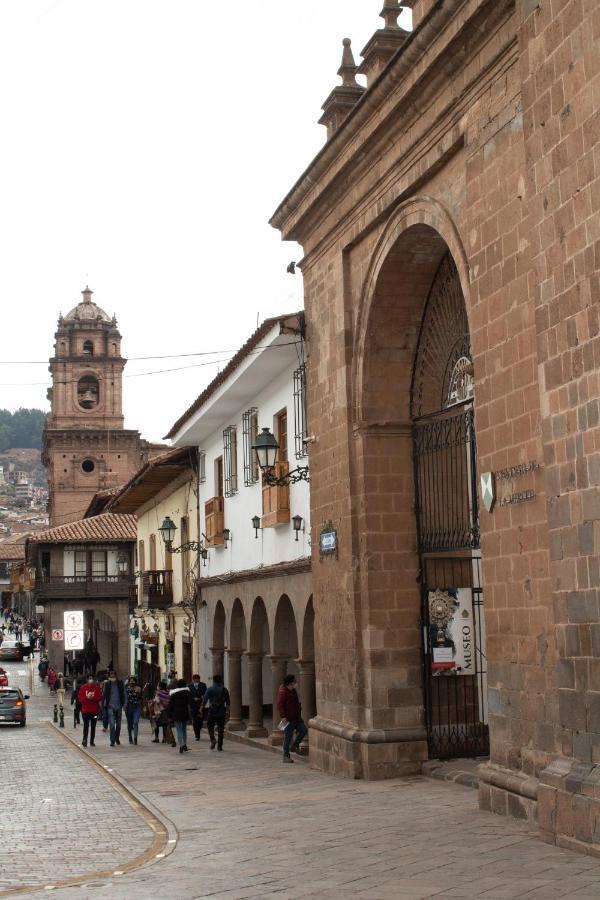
<point>22,428</point>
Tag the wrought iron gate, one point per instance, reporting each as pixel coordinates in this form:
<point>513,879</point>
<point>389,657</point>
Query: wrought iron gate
<point>454,665</point>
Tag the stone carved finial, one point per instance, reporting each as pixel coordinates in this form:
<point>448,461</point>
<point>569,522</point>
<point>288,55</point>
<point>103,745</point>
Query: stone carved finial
<point>390,12</point>
<point>345,96</point>
<point>348,67</point>
<point>87,295</point>
<point>385,42</point>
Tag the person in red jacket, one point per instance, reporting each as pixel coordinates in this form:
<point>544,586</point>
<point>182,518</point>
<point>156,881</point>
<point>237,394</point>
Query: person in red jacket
<point>290,711</point>
<point>90,697</point>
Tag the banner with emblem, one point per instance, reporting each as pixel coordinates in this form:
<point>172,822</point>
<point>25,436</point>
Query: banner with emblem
<point>451,631</point>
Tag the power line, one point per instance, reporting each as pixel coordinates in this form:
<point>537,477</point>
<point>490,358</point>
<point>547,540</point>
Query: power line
<point>212,362</point>
<point>41,362</point>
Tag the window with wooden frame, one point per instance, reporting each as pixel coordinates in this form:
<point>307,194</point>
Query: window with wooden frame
<point>230,460</point>
<point>80,563</point>
<point>300,418</point>
<point>201,467</point>
<point>99,566</point>
<point>249,435</point>
<point>276,498</point>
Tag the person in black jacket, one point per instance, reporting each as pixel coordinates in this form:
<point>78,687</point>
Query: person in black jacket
<point>180,701</point>
<point>197,690</point>
<point>113,701</point>
<point>218,702</point>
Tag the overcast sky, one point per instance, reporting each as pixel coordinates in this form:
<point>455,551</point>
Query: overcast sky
<point>145,146</point>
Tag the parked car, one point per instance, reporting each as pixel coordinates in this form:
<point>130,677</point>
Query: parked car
<point>13,710</point>
<point>3,678</point>
<point>11,649</point>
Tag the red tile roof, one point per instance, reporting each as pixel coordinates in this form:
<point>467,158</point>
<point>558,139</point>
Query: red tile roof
<point>105,527</point>
<point>13,547</point>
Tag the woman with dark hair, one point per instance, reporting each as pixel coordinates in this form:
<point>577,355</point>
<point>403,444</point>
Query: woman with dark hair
<point>180,701</point>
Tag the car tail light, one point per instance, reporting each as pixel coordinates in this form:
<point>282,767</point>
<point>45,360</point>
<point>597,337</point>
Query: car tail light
<point>19,703</point>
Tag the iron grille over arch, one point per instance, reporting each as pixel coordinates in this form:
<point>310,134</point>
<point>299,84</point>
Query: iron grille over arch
<point>443,370</point>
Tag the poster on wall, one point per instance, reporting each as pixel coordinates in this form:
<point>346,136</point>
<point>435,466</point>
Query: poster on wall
<point>451,631</point>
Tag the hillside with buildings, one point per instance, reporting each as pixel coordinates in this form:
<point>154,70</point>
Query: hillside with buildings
<point>23,490</point>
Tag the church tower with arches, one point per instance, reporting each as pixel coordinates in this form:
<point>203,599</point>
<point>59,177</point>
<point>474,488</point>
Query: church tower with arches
<point>86,447</point>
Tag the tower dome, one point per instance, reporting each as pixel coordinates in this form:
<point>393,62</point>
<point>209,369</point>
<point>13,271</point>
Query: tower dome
<point>87,310</point>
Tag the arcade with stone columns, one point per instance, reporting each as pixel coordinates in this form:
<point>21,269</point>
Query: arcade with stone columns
<point>261,628</point>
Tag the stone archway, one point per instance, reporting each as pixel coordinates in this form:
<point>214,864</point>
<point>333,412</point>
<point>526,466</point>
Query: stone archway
<point>235,649</point>
<point>259,673</point>
<point>285,654</point>
<point>217,647</point>
<point>390,687</point>
<point>306,663</point>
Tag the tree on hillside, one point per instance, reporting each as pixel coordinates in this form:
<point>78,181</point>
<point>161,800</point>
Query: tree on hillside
<point>22,428</point>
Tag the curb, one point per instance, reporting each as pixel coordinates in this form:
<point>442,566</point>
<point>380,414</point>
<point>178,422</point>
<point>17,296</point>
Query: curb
<point>239,738</point>
<point>164,831</point>
<point>436,769</point>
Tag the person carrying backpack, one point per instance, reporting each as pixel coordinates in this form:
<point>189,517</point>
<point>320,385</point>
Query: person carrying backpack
<point>217,700</point>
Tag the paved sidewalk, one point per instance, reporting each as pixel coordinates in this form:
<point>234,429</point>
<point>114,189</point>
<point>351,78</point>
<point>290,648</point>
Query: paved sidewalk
<point>250,827</point>
<point>60,817</point>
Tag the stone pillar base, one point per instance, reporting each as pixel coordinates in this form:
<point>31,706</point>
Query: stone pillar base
<point>569,805</point>
<point>508,793</point>
<point>256,731</point>
<point>372,754</point>
<point>235,725</point>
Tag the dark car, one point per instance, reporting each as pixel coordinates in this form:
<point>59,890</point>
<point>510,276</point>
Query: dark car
<point>11,649</point>
<point>12,706</point>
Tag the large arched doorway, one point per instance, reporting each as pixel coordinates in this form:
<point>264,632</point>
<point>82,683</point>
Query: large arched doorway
<point>448,524</point>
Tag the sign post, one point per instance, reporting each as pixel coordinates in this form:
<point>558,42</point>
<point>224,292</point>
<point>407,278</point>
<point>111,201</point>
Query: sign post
<point>73,630</point>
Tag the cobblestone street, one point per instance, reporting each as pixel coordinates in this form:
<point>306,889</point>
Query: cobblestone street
<point>248,827</point>
<point>61,817</point>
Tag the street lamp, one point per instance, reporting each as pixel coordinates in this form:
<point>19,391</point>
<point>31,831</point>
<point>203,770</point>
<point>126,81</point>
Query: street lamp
<point>256,525</point>
<point>167,531</point>
<point>266,447</point>
<point>297,524</point>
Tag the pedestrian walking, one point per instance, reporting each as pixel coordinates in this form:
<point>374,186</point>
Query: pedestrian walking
<point>90,698</point>
<point>161,716</point>
<point>113,700</point>
<point>197,690</point>
<point>133,708</point>
<point>75,701</point>
<point>290,711</point>
<point>62,683</point>
<point>43,667</point>
<point>180,701</point>
<point>217,700</point>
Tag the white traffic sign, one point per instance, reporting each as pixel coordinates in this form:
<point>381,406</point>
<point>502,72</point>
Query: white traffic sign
<point>58,634</point>
<point>73,640</point>
<point>73,620</point>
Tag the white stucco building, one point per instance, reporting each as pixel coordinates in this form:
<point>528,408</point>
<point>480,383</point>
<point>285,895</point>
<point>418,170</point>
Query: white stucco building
<point>256,616</point>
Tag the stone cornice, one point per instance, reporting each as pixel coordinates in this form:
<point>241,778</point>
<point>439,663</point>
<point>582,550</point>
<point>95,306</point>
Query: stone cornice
<point>293,567</point>
<point>368,123</point>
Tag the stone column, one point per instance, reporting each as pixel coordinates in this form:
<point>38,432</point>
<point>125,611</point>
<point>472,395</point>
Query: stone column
<point>306,687</point>
<point>217,660</point>
<point>255,719</point>
<point>278,667</point>
<point>234,685</point>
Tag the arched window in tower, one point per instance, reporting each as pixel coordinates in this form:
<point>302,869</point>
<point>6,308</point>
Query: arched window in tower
<point>114,349</point>
<point>88,392</point>
<point>88,348</point>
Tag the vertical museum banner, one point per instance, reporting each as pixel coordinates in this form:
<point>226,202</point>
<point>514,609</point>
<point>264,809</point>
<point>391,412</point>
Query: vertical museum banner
<point>451,631</point>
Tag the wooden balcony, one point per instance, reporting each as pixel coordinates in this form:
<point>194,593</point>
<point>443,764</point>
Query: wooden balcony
<point>276,499</point>
<point>157,589</point>
<point>214,520</point>
<point>72,587</point>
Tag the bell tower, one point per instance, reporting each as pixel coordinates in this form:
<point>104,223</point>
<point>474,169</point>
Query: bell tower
<point>86,447</point>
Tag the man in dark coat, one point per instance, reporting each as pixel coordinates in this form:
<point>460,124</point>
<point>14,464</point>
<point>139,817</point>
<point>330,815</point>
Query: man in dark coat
<point>290,711</point>
<point>180,701</point>
<point>113,701</point>
<point>217,700</point>
<point>197,690</point>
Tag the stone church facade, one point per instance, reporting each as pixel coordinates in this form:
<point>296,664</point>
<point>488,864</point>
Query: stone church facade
<point>451,236</point>
<point>85,445</point>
